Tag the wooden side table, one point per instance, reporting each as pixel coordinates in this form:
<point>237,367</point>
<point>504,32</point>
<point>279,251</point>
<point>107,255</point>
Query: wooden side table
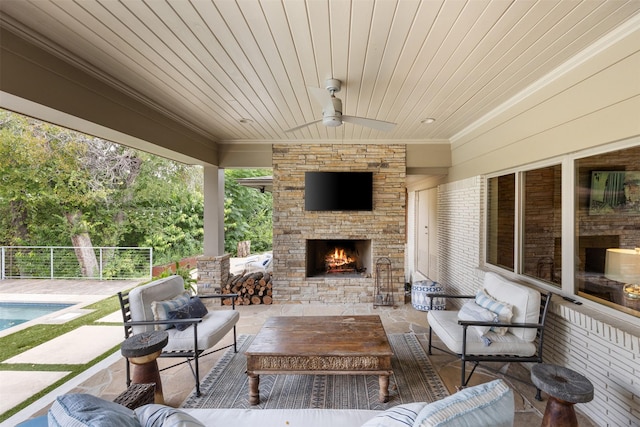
<point>143,350</point>
<point>565,388</point>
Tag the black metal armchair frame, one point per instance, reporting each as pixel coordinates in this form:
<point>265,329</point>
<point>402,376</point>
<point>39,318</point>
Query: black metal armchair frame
<point>545,299</point>
<point>189,355</point>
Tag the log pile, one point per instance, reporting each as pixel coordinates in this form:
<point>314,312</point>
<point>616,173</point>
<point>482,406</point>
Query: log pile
<point>252,288</point>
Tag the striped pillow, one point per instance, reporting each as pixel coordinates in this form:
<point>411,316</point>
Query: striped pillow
<point>398,416</point>
<point>485,405</point>
<point>161,309</point>
<point>502,309</point>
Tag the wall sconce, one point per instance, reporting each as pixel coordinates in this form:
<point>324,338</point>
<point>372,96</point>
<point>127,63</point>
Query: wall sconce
<point>623,265</point>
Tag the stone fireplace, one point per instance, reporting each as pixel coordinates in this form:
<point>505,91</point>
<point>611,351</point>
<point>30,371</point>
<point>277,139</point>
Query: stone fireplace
<point>330,256</point>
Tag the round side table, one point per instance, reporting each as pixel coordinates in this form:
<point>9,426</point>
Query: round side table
<point>565,388</point>
<point>143,350</point>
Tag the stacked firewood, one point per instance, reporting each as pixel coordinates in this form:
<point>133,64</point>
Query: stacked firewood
<point>252,288</point>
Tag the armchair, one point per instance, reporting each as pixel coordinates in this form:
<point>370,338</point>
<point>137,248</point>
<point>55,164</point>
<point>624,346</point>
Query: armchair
<point>518,340</point>
<point>154,306</point>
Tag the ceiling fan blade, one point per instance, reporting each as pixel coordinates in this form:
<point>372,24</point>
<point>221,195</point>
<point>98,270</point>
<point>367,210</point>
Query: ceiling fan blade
<point>323,97</point>
<point>371,123</point>
<point>304,125</point>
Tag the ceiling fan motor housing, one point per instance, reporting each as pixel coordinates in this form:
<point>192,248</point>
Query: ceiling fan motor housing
<point>333,118</point>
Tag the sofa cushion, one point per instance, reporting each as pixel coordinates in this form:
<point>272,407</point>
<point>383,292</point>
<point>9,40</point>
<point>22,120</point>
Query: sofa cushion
<point>398,416</point>
<point>484,405</point>
<point>194,309</point>
<point>282,417</point>
<point>154,415</point>
<point>525,302</point>
<point>141,297</point>
<point>80,409</point>
<point>445,326</point>
<point>213,327</point>
<point>162,309</point>
<point>502,309</point>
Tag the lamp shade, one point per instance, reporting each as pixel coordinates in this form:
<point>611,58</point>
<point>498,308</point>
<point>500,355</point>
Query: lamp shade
<point>623,265</point>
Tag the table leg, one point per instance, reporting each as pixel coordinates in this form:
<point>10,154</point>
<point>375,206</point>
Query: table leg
<point>254,391</point>
<point>146,371</point>
<point>384,388</point>
<point>559,413</point>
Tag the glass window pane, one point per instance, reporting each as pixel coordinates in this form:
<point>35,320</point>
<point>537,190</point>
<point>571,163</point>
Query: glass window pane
<point>608,217</point>
<point>501,196</point>
<point>542,231</point>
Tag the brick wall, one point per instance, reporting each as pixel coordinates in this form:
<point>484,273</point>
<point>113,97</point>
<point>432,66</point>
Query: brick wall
<point>579,338</point>
<point>292,226</point>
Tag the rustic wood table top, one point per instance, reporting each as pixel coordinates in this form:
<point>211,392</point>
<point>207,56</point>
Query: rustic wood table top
<point>321,336</point>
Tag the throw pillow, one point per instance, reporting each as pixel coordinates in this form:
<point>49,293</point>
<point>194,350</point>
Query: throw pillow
<point>485,405</point>
<point>154,415</point>
<point>161,309</point>
<point>502,309</point>
<point>398,416</point>
<point>80,409</point>
<point>472,311</point>
<point>194,309</point>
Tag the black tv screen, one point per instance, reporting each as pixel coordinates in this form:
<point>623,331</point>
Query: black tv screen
<point>338,191</point>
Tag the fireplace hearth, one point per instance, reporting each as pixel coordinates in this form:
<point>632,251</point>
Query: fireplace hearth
<point>337,258</point>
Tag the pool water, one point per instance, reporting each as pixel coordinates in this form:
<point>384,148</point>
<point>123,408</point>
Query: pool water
<point>15,313</point>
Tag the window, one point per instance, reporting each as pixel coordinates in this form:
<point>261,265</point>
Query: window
<point>607,216</point>
<point>501,221</point>
<point>542,224</point>
<point>525,233</point>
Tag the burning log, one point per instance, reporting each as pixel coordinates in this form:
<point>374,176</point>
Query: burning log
<point>252,288</point>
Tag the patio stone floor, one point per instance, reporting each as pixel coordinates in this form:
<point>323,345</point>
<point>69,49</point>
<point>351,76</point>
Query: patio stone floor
<point>107,379</point>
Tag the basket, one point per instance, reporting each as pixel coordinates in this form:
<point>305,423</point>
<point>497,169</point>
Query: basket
<point>137,395</point>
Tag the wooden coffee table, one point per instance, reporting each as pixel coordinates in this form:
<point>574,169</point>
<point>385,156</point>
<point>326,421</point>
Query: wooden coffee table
<point>346,345</point>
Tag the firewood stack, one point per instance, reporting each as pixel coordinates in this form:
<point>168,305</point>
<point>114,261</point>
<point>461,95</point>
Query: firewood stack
<point>252,288</point>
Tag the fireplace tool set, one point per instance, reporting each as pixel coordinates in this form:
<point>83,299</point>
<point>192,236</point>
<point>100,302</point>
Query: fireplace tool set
<point>384,292</point>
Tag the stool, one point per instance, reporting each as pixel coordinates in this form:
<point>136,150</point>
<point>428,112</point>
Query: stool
<point>142,350</point>
<point>565,388</point>
<point>419,291</point>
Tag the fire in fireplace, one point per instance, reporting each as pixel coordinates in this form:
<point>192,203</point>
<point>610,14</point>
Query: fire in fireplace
<point>338,257</point>
<point>339,261</point>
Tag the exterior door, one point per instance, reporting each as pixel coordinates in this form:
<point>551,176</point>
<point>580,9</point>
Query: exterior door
<point>427,233</point>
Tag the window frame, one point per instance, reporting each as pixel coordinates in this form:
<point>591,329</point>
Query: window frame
<point>569,194</point>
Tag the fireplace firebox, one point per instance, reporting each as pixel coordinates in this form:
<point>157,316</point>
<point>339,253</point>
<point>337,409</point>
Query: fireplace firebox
<point>335,258</point>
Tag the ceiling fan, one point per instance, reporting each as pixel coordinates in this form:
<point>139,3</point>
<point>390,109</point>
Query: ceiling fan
<point>332,110</point>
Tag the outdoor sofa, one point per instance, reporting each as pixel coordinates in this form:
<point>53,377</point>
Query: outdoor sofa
<point>490,404</point>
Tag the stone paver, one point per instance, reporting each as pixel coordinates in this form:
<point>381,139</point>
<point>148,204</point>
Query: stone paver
<point>17,386</point>
<point>76,347</point>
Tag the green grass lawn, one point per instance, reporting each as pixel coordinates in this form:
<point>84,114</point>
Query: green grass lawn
<point>33,336</point>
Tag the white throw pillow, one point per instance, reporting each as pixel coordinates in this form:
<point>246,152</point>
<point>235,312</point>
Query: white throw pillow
<point>502,309</point>
<point>155,415</point>
<point>473,312</point>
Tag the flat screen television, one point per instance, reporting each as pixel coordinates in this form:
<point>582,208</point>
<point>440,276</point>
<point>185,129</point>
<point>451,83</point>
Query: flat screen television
<point>338,191</point>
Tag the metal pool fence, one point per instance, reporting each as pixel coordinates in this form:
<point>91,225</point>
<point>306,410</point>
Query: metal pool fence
<point>68,262</point>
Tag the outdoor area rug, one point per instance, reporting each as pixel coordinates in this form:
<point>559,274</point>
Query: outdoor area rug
<point>413,380</point>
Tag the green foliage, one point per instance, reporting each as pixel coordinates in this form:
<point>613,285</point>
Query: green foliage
<point>57,183</point>
<point>248,213</point>
<point>184,272</point>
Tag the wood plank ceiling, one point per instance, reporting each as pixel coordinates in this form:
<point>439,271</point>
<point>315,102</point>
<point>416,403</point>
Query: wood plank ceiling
<point>214,64</point>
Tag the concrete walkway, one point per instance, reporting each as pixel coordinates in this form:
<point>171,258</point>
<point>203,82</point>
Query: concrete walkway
<point>77,347</point>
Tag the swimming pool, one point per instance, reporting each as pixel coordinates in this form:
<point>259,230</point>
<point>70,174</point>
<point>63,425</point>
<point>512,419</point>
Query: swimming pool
<point>15,313</point>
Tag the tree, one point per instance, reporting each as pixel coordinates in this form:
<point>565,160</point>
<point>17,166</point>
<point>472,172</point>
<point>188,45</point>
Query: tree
<point>248,213</point>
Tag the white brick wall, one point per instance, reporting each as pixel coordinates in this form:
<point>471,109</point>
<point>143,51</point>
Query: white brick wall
<point>576,337</point>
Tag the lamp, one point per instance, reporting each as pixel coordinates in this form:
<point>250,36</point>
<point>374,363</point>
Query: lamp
<point>623,265</point>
